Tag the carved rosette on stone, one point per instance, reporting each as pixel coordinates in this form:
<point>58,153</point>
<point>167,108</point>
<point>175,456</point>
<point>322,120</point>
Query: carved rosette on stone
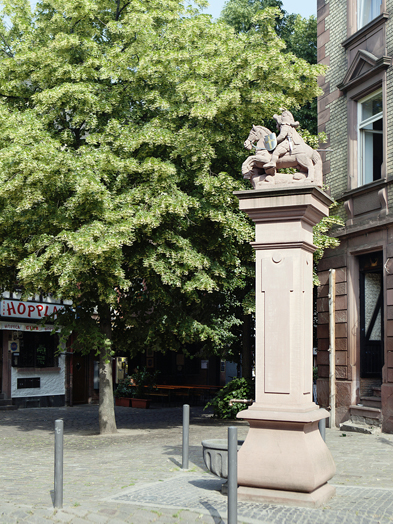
<point>289,151</point>
<point>284,458</point>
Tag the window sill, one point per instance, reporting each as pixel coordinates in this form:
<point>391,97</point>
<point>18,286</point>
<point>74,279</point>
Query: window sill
<point>38,370</point>
<point>381,19</point>
<point>372,186</point>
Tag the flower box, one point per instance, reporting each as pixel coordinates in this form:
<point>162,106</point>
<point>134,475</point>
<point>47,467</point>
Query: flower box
<point>143,403</point>
<point>123,401</point>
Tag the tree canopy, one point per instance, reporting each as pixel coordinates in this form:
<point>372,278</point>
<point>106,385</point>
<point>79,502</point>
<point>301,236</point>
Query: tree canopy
<point>121,132</point>
<point>298,33</point>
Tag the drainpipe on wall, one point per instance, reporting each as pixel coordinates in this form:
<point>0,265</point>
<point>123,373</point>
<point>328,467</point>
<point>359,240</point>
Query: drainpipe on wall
<point>332,347</point>
<point>71,378</point>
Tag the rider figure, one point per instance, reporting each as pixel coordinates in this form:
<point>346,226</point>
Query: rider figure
<point>287,139</point>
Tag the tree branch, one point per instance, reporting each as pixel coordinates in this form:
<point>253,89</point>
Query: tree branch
<point>9,52</point>
<point>15,97</point>
<point>76,23</point>
<point>118,11</point>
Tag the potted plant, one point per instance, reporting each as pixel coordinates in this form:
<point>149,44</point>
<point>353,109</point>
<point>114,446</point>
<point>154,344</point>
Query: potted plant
<point>144,383</point>
<point>124,392</point>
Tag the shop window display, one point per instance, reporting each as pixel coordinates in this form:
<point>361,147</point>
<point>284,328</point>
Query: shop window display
<point>37,350</point>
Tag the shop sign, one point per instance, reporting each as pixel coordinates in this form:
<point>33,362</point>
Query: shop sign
<point>33,310</point>
<point>13,326</point>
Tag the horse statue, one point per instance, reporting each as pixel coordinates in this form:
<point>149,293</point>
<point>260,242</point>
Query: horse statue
<point>290,151</point>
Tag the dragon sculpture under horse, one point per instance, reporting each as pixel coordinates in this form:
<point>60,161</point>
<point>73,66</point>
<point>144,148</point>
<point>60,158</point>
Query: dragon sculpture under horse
<point>288,150</point>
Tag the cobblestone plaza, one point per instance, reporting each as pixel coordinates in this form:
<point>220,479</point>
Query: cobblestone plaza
<point>136,477</point>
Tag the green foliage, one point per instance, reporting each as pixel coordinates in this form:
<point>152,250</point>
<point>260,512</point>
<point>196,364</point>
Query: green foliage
<point>121,132</point>
<point>240,14</point>
<point>238,388</point>
<point>125,388</point>
<point>324,241</point>
<point>145,382</point>
<point>298,33</point>
<point>137,385</point>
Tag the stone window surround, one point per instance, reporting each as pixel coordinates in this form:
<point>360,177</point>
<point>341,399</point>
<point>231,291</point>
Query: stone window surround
<point>352,23</point>
<point>353,96</point>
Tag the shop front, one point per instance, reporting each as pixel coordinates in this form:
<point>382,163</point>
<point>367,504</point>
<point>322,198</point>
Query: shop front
<point>33,373</point>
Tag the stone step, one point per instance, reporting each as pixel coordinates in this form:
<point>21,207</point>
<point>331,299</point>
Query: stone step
<point>377,391</point>
<point>5,402</point>
<point>366,415</point>
<point>8,408</point>
<point>371,402</point>
<point>356,427</point>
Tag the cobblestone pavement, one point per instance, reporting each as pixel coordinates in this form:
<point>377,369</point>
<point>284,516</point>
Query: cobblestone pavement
<point>135,476</point>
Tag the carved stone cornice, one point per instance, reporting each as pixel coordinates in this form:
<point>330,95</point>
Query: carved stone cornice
<point>377,65</point>
<point>306,246</point>
<point>368,28</point>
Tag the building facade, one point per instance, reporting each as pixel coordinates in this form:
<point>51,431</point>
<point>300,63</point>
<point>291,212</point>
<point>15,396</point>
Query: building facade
<point>355,41</point>
<point>32,373</point>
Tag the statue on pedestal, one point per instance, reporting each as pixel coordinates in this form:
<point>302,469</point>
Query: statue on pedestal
<point>287,150</point>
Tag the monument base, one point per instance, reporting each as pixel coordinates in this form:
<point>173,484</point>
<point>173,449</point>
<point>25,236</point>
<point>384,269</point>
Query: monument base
<point>285,453</point>
<point>315,499</point>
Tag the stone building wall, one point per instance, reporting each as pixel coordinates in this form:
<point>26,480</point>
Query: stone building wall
<point>389,91</point>
<point>332,118</point>
<point>369,228</point>
<point>343,369</point>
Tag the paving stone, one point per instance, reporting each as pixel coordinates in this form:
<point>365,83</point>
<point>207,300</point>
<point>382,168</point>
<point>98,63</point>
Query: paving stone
<point>78,511</point>
<point>78,520</point>
<point>108,512</point>
<point>22,515</point>
<point>61,516</point>
<point>135,476</point>
<point>98,518</point>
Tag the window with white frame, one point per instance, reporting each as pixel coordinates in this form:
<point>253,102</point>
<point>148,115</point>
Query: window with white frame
<point>367,11</point>
<point>370,137</point>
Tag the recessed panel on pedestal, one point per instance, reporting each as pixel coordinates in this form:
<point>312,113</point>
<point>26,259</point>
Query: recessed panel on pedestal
<point>277,287</point>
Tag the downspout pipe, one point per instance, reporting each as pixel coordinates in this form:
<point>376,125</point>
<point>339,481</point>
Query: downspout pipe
<point>332,347</point>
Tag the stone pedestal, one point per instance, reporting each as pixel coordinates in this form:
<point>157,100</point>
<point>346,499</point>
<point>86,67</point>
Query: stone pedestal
<point>284,458</point>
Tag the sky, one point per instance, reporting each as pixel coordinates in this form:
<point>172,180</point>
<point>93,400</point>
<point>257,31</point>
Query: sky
<point>305,8</point>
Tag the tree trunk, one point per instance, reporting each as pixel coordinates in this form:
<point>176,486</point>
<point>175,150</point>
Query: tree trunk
<point>246,349</point>
<point>106,411</point>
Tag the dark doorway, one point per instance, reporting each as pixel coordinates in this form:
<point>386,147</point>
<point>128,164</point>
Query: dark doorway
<point>371,315</point>
<point>80,382</point>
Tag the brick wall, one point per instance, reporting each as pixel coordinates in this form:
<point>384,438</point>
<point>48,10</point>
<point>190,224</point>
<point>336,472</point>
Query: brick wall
<point>332,112</point>
<point>389,91</point>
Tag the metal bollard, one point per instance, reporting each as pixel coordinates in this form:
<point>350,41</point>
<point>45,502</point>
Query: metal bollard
<point>322,428</point>
<point>232,475</point>
<point>58,498</point>
<point>186,431</point>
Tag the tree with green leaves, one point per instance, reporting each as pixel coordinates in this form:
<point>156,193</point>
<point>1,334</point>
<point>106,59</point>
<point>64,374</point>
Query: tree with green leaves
<point>121,131</point>
<point>298,33</point>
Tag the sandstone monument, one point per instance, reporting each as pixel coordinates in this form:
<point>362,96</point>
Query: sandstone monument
<point>287,150</point>
<point>284,458</point>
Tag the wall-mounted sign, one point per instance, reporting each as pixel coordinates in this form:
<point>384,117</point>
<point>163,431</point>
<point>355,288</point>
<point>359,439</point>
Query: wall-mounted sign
<point>13,346</point>
<point>13,326</point>
<point>33,310</point>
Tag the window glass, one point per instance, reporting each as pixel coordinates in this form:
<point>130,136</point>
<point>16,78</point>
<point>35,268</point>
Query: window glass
<point>367,11</point>
<point>370,139</point>
<point>37,350</point>
<point>372,106</point>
